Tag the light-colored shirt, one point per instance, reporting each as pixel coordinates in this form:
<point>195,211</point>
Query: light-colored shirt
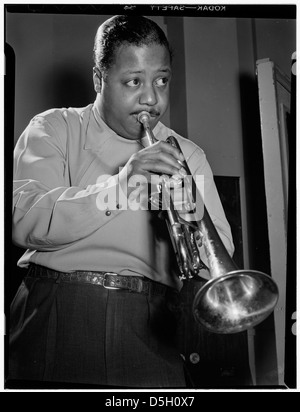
<point>60,214</point>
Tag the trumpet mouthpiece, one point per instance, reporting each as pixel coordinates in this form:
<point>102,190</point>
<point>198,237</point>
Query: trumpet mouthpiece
<point>143,117</point>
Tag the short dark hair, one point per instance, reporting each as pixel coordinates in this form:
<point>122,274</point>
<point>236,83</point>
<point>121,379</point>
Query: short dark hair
<point>117,30</point>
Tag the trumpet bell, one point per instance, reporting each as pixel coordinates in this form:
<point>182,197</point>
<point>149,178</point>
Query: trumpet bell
<point>236,301</point>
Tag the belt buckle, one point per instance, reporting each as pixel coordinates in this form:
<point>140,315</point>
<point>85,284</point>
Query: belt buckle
<point>104,280</point>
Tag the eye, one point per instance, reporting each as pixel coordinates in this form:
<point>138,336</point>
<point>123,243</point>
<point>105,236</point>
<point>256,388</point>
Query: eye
<point>161,82</point>
<point>133,83</point>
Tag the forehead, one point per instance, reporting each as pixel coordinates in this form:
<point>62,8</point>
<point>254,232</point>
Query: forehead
<point>134,58</point>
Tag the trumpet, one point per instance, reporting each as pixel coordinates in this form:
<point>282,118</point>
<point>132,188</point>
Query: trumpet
<point>234,299</point>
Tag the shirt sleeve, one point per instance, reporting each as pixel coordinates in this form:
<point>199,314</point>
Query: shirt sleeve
<point>203,175</point>
<point>48,213</point>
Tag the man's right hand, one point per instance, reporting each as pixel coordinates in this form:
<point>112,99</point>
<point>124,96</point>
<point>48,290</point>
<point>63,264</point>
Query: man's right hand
<point>159,158</point>
<point>146,166</point>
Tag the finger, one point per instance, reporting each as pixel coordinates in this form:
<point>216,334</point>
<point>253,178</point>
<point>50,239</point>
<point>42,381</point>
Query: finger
<point>159,167</point>
<point>168,159</point>
<point>165,147</point>
<point>176,181</point>
<point>165,152</point>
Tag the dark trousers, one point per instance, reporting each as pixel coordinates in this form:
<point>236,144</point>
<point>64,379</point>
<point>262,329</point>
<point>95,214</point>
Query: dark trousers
<point>86,334</point>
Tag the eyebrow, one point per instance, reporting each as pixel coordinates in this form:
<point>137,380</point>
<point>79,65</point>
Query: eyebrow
<point>163,70</point>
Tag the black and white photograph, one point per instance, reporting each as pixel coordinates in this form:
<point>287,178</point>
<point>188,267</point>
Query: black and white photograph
<point>150,200</point>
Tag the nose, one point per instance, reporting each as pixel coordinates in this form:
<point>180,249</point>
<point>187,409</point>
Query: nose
<point>148,95</point>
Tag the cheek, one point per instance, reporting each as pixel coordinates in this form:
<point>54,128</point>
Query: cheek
<point>113,103</point>
<point>164,98</point>
<point>123,101</point>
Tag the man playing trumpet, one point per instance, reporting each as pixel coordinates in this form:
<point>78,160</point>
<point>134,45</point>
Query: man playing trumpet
<point>100,302</point>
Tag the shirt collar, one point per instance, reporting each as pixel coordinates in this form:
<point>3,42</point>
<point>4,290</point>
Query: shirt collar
<point>97,132</point>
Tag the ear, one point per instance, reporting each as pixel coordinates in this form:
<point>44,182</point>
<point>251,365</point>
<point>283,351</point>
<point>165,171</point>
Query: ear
<point>97,79</point>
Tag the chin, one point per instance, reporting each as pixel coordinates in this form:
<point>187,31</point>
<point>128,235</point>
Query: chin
<point>132,135</point>
<point>135,132</point>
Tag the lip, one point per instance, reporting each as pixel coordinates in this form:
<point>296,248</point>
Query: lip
<point>153,117</point>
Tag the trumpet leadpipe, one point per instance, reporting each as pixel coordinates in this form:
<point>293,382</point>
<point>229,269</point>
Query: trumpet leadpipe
<point>144,118</point>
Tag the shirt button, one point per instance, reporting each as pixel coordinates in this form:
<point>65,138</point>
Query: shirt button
<point>108,213</point>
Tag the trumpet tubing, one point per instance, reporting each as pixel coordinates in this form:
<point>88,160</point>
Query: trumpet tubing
<point>233,300</point>
<point>184,245</point>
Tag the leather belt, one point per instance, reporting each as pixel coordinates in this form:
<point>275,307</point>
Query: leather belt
<point>108,280</point>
